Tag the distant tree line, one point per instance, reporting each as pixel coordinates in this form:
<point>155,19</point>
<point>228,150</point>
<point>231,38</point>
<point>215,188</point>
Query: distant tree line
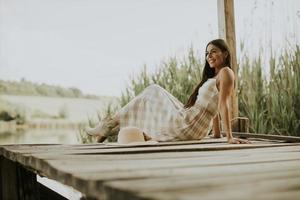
<point>25,87</point>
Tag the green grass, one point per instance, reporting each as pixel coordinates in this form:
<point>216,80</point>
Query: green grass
<point>16,111</point>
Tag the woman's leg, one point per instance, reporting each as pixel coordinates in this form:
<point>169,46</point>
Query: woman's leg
<point>152,91</point>
<point>111,126</point>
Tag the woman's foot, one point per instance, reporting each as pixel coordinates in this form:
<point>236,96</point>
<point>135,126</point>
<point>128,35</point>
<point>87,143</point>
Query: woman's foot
<point>100,139</point>
<point>103,129</point>
<point>96,131</point>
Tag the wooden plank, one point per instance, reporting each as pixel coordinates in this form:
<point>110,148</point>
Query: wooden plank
<point>38,148</point>
<point>191,187</point>
<point>94,185</point>
<point>210,171</point>
<point>288,139</point>
<point>183,148</point>
<point>157,157</point>
<point>67,168</point>
<point>12,153</point>
<point>107,162</point>
<point>190,181</point>
<point>38,161</point>
<point>252,189</point>
<point>163,155</point>
<point>278,195</point>
<point>262,189</point>
<point>226,24</point>
<point>66,176</point>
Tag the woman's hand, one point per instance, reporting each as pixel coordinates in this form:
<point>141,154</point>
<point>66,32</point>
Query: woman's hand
<point>238,141</point>
<point>214,135</point>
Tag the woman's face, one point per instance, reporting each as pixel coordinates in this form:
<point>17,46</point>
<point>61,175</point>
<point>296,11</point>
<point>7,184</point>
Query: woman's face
<point>215,57</point>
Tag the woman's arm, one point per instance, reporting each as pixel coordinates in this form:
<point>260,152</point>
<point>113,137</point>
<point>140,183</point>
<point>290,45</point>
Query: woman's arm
<point>226,85</point>
<point>216,127</point>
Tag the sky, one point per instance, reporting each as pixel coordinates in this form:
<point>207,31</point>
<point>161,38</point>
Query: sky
<point>96,45</point>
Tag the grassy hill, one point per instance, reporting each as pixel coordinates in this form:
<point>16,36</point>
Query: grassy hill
<point>28,88</point>
<point>26,101</point>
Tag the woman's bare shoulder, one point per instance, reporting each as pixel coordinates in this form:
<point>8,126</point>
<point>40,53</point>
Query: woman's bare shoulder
<point>225,78</point>
<point>226,73</point>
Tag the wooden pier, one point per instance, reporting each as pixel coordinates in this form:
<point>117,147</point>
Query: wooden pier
<point>269,168</point>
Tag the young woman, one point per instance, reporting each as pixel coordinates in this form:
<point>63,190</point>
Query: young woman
<point>162,117</point>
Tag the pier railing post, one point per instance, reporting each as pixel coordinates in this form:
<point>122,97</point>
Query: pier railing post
<point>240,124</point>
<point>226,24</point>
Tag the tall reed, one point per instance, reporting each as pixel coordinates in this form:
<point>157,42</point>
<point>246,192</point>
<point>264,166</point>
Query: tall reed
<point>272,102</point>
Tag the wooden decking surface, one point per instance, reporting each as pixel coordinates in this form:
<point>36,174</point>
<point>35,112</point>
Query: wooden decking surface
<point>208,169</point>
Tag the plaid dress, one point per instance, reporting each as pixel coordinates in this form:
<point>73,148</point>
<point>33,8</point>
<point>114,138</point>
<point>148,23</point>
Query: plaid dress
<point>163,117</point>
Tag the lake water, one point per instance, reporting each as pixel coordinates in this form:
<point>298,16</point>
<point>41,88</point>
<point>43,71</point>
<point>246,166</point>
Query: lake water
<point>76,109</point>
<point>38,136</point>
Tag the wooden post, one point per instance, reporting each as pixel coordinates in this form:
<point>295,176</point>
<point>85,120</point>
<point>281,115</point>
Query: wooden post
<point>17,183</point>
<point>8,179</point>
<point>227,32</point>
<point>240,124</point>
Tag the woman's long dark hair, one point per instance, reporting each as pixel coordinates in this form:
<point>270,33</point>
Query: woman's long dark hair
<point>209,72</point>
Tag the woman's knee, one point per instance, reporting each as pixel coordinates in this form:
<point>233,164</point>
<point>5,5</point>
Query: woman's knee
<point>153,87</point>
